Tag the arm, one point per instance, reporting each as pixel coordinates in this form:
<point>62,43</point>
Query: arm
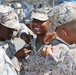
<point>62,69</point>
<point>22,53</point>
<point>66,67</point>
<point>49,38</point>
<point>16,55</point>
<point>6,66</point>
<point>25,33</point>
<point>2,63</point>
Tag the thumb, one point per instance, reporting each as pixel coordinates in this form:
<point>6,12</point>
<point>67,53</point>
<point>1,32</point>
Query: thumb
<point>49,50</point>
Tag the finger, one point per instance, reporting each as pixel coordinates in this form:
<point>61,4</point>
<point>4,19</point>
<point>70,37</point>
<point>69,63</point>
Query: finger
<point>43,52</point>
<point>47,39</point>
<point>43,49</point>
<point>27,51</point>
<point>49,50</point>
<point>26,55</point>
<point>50,47</point>
<point>50,37</point>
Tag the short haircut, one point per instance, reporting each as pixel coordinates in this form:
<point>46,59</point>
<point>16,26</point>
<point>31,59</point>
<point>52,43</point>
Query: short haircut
<point>70,26</point>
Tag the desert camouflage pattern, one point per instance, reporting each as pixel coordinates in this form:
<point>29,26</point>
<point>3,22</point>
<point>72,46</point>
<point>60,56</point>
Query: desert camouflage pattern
<point>65,56</point>
<point>9,64</point>
<point>7,17</point>
<point>36,64</point>
<point>62,13</point>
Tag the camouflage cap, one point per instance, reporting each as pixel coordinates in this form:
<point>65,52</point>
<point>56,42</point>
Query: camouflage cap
<point>7,17</point>
<point>40,16</point>
<point>62,14</point>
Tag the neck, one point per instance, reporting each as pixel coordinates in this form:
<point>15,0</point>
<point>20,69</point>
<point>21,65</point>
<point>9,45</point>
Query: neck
<point>40,38</point>
<point>61,35</point>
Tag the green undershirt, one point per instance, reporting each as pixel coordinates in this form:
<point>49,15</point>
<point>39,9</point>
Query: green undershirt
<point>38,45</point>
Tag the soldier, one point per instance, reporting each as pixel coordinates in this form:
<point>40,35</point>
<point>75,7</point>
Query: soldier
<point>21,15</point>
<point>9,64</point>
<point>63,21</point>
<point>35,63</point>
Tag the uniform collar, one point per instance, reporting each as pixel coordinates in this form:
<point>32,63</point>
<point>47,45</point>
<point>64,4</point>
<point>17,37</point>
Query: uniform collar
<point>62,41</point>
<point>4,44</point>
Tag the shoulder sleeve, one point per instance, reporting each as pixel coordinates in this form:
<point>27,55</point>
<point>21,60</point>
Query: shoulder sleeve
<point>65,67</point>
<point>3,71</point>
<point>24,29</point>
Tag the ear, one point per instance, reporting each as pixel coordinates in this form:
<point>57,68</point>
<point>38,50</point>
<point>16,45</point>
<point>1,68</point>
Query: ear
<point>64,31</point>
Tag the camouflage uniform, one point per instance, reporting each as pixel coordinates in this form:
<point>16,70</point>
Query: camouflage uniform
<point>63,53</point>
<point>65,56</point>
<point>61,14</point>
<point>36,64</point>
<point>62,61</point>
<point>7,51</point>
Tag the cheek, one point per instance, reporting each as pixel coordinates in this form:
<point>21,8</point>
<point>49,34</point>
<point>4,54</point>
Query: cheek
<point>73,38</point>
<point>45,26</point>
<point>10,33</point>
<point>6,33</point>
<point>32,26</point>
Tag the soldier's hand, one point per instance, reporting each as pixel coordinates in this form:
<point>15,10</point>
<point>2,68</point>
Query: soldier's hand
<point>49,38</point>
<point>22,53</point>
<point>26,38</point>
<point>46,51</point>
